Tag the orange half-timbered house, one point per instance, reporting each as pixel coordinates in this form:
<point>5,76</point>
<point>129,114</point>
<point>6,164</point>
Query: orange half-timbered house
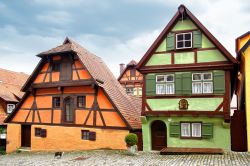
<point>131,79</point>
<point>72,101</point>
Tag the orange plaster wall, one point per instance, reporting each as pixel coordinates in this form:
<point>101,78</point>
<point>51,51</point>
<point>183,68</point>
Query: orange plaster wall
<point>61,138</point>
<point>84,74</point>
<point>79,89</point>
<point>47,91</point>
<point>13,137</point>
<point>103,101</point>
<point>45,116</point>
<point>57,116</point>
<point>45,67</point>
<point>113,119</point>
<point>243,41</point>
<point>20,116</point>
<point>75,77</point>
<point>39,78</point>
<point>89,101</point>
<point>78,64</point>
<point>56,57</point>
<point>28,102</point>
<point>90,119</point>
<point>81,116</point>
<point>55,76</point>
<point>44,101</point>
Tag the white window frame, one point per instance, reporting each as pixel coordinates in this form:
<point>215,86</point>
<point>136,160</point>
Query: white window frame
<point>167,76</point>
<point>160,76</point>
<point>173,88</point>
<point>193,135</point>
<point>201,87</point>
<point>203,90</point>
<point>130,92</point>
<point>207,79</point>
<point>8,108</point>
<point>189,127</point>
<point>191,40</point>
<point>197,80</point>
<point>164,91</point>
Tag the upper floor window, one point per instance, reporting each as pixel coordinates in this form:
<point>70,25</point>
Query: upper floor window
<point>132,72</point>
<point>183,40</point>
<point>165,84</point>
<point>130,91</point>
<point>56,67</point>
<point>10,108</point>
<point>81,101</point>
<point>56,102</point>
<point>202,83</point>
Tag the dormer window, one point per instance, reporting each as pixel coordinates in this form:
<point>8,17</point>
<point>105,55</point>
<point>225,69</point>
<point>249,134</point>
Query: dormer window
<point>56,67</point>
<point>183,40</point>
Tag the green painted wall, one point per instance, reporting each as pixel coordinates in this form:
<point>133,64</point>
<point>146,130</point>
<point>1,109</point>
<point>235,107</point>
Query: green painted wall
<point>210,56</point>
<point>162,46</point>
<point>159,59</point>
<point>184,25</point>
<point>200,104</point>
<point>221,133</point>
<point>184,57</point>
<point>205,42</point>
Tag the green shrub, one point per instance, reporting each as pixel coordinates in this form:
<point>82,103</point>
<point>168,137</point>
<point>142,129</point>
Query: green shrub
<point>131,139</point>
<point>18,150</point>
<point>2,150</point>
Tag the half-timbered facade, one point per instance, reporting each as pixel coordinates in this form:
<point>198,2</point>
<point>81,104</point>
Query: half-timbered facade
<point>187,87</point>
<point>131,79</point>
<point>72,101</point>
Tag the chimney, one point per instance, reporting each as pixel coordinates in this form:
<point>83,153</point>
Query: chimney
<point>122,67</point>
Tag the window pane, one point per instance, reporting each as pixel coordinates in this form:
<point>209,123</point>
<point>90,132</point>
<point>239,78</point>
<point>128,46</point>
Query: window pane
<point>160,78</point>
<point>187,43</point>
<point>185,129</point>
<point>10,108</point>
<point>207,87</point>
<point>207,76</point>
<point>170,88</point>
<point>197,77</point>
<point>160,89</point>
<point>197,87</point>
<point>179,37</point>
<point>130,91</point>
<point>188,36</point>
<point>179,44</point>
<point>196,129</point>
<point>169,78</point>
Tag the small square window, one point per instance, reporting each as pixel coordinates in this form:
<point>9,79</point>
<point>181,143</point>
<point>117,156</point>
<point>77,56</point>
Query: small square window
<point>130,91</point>
<point>56,102</point>
<point>85,134</point>
<point>81,101</point>
<point>160,78</point>
<point>10,108</point>
<point>56,67</point>
<point>184,40</point>
<point>197,77</point>
<point>207,76</point>
<point>38,132</point>
<point>170,78</point>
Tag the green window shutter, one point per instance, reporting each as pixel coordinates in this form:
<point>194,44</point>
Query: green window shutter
<point>174,129</point>
<point>170,41</point>
<point>150,84</point>
<point>178,83</point>
<point>207,130</point>
<point>219,82</point>
<point>187,83</point>
<point>197,39</point>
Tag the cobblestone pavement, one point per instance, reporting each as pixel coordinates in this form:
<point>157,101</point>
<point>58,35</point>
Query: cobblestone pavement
<point>111,158</point>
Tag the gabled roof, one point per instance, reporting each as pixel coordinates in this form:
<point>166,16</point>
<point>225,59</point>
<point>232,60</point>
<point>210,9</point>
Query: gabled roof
<point>10,85</point>
<point>132,63</point>
<point>126,105</point>
<point>182,10</point>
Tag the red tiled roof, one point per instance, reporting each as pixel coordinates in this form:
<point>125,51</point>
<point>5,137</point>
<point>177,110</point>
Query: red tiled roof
<point>10,84</point>
<point>129,107</point>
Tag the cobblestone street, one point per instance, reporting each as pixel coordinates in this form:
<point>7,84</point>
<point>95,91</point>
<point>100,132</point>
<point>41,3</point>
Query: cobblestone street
<point>106,157</point>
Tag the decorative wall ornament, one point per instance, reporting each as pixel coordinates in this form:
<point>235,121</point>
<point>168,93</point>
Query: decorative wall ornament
<point>183,104</point>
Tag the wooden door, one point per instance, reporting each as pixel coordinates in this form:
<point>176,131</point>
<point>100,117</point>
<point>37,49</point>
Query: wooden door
<point>159,135</point>
<point>238,131</point>
<point>26,136</point>
<point>68,110</point>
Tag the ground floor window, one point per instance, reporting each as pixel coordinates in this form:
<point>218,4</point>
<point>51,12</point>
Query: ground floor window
<point>88,135</point>
<point>191,130</point>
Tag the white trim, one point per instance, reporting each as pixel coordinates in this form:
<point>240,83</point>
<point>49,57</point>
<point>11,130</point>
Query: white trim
<point>207,79</point>
<point>161,76</point>
<point>193,135</point>
<point>193,88</point>
<point>191,40</point>
<point>203,87</point>
<point>164,91</point>
<point>188,134</point>
<point>167,76</point>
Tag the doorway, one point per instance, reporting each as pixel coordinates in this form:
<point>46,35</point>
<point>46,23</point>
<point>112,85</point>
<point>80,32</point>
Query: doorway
<point>158,135</point>
<point>26,135</point>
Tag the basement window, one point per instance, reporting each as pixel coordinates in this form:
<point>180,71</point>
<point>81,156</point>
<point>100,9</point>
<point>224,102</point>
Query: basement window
<point>183,40</point>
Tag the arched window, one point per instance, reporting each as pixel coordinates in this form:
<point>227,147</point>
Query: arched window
<point>68,110</point>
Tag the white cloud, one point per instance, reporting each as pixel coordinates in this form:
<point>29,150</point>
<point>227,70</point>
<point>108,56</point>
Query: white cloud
<point>55,17</point>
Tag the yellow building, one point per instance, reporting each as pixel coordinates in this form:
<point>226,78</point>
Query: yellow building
<point>241,119</point>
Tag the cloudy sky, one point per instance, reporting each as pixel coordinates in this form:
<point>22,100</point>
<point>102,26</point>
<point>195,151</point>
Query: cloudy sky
<point>115,30</point>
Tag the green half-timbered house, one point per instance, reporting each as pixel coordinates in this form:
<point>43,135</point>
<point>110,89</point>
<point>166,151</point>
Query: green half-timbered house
<point>187,87</point>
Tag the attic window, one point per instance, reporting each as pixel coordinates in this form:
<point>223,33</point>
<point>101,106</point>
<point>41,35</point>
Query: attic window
<point>10,108</point>
<point>183,40</point>
<point>56,67</point>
